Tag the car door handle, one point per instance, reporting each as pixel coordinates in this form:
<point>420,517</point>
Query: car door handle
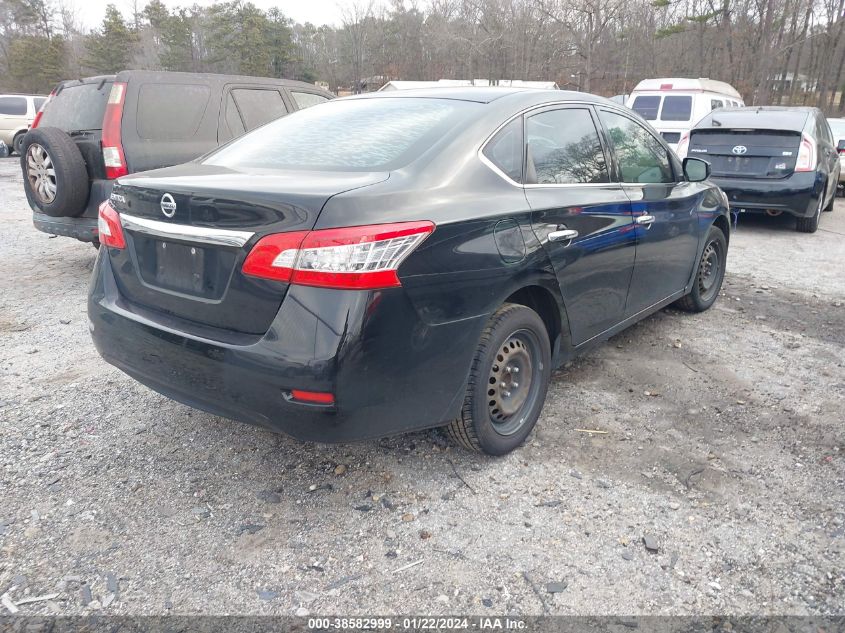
<point>645,220</point>
<point>563,235</point>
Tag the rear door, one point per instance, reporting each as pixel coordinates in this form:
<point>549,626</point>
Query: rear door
<point>663,205</point>
<point>582,218</point>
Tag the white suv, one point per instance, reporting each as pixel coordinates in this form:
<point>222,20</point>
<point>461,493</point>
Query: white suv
<point>16,115</point>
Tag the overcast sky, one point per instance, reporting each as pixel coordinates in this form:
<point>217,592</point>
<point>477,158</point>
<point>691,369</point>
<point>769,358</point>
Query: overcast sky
<point>90,12</point>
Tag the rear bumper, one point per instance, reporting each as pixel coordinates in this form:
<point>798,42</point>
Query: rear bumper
<point>389,371</point>
<point>797,195</point>
<point>82,228</point>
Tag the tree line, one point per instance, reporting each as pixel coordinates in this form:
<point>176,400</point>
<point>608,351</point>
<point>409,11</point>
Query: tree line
<point>772,51</point>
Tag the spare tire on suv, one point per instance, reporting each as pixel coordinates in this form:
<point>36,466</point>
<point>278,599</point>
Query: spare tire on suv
<point>56,179</point>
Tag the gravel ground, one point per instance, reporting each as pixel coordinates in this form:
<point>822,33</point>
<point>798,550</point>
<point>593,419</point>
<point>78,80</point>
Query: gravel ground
<point>723,445</point>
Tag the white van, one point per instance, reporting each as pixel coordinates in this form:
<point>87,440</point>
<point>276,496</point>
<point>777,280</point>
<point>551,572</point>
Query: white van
<point>673,105</point>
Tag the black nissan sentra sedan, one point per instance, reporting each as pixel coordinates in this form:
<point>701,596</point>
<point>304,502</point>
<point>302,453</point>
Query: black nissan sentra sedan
<point>770,159</point>
<point>391,262</point>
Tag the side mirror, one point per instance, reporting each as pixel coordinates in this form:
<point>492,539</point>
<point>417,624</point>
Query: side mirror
<point>841,146</point>
<point>696,169</point>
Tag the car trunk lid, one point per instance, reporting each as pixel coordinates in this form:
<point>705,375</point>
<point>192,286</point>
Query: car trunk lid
<point>189,228</point>
<point>747,153</point>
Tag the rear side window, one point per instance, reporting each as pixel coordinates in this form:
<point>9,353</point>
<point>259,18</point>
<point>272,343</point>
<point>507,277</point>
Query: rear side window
<point>171,111</point>
<point>715,104</point>
<point>13,106</point>
<point>640,156</point>
<point>38,102</point>
<point>505,150</point>
<point>78,107</point>
<point>676,109</point>
<point>564,148</point>
<point>356,135</point>
<point>307,99</point>
<point>258,107</point>
<point>647,107</point>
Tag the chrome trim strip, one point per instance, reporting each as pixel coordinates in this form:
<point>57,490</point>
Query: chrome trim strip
<point>201,234</point>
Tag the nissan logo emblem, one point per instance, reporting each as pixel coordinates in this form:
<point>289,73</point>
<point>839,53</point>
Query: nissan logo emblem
<point>739,149</point>
<point>168,205</point>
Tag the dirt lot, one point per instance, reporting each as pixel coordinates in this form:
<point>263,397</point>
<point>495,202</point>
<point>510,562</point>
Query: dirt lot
<point>723,442</point>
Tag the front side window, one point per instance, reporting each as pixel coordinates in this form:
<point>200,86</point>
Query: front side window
<point>641,157</point>
<point>307,99</point>
<point>13,106</point>
<point>647,107</point>
<point>564,148</point>
<point>505,150</point>
<point>676,109</point>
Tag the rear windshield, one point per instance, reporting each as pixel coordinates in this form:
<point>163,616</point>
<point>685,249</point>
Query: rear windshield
<point>78,107</point>
<point>379,134</point>
<point>676,109</point>
<point>647,107</point>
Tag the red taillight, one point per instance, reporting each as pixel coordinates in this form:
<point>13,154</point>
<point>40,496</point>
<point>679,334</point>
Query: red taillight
<point>40,112</point>
<point>806,154</point>
<point>113,156</point>
<point>357,257</point>
<point>109,228</point>
<point>683,146</point>
<point>313,397</point>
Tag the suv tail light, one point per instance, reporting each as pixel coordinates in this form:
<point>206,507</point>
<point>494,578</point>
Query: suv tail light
<point>113,156</point>
<point>806,154</point>
<point>357,257</point>
<point>109,228</point>
<point>40,112</point>
<point>683,146</point>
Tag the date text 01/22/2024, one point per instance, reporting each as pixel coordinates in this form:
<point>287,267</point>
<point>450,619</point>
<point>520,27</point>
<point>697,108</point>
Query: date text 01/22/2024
<point>421,623</point>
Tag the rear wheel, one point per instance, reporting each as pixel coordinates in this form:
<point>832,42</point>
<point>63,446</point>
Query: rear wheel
<point>832,200</point>
<point>811,224</point>
<point>709,275</point>
<point>17,143</point>
<point>508,382</point>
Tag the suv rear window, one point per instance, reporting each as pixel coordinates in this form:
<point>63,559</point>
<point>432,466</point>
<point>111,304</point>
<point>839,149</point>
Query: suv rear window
<point>78,107</point>
<point>14,106</point>
<point>170,111</point>
<point>356,135</point>
<point>647,107</point>
<point>676,109</point>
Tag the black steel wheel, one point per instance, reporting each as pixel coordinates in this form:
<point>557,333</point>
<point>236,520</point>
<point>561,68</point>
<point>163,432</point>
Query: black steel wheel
<point>508,382</point>
<point>709,274</point>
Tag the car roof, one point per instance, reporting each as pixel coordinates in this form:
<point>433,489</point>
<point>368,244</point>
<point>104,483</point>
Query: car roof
<point>768,117</point>
<point>526,96</point>
<point>128,75</point>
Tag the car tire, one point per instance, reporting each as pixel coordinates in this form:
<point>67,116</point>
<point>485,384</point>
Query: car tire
<point>55,176</point>
<point>811,224</point>
<point>709,274</point>
<point>17,143</point>
<point>507,383</point>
